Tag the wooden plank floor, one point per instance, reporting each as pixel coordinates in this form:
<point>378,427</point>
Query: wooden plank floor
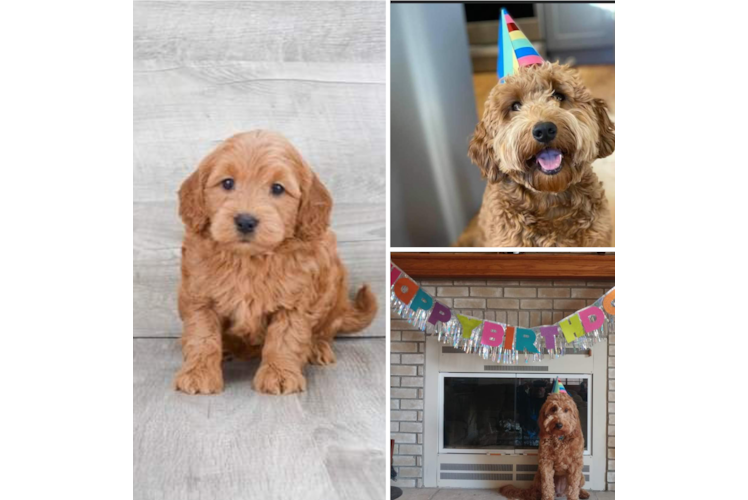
<point>327,443</point>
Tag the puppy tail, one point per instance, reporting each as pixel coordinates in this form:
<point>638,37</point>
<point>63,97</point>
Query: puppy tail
<point>359,313</point>
<point>512,492</point>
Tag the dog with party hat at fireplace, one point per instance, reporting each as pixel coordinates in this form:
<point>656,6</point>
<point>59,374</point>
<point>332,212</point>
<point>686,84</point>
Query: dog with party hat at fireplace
<point>535,144</point>
<point>560,457</point>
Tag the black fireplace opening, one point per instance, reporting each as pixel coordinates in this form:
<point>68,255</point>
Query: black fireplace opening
<point>502,413</point>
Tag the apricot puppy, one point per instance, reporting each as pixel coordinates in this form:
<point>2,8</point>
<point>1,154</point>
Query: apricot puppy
<point>260,268</point>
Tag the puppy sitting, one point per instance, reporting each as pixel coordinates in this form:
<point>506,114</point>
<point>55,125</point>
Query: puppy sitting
<point>561,453</point>
<point>260,269</point>
<point>540,132</point>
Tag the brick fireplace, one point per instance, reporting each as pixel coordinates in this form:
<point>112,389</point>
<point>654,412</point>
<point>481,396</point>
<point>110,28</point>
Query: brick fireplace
<point>454,446</point>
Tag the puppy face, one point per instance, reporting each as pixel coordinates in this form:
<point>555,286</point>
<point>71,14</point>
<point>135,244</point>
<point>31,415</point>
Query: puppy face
<point>559,416</point>
<point>254,192</point>
<point>541,128</point>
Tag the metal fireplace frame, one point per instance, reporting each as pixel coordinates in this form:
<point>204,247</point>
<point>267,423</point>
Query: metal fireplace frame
<point>510,375</point>
<point>473,468</point>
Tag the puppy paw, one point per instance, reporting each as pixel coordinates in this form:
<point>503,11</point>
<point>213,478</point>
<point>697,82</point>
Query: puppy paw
<point>199,381</point>
<point>322,354</point>
<point>273,380</point>
<point>584,494</point>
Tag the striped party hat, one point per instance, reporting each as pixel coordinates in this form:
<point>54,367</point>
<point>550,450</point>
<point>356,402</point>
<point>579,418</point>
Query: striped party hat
<point>558,387</point>
<point>515,49</point>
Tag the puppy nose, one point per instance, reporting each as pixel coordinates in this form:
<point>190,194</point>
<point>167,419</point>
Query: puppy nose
<point>544,132</point>
<point>559,425</point>
<point>245,223</point>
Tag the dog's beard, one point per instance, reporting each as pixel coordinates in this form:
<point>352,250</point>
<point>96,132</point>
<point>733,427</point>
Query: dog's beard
<point>551,168</point>
<point>251,248</point>
<point>554,182</point>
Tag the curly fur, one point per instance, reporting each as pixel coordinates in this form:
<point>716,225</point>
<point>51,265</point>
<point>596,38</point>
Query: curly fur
<point>560,460</point>
<point>280,292</point>
<point>522,205</point>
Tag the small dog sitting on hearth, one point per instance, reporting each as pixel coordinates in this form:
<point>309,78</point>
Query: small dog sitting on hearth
<point>540,132</point>
<point>560,457</point>
<point>260,268</point>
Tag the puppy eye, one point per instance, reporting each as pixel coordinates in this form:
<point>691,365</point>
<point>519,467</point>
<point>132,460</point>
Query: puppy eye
<point>553,410</point>
<point>559,96</point>
<point>566,410</point>
<point>516,106</point>
<point>228,184</point>
<point>278,189</point>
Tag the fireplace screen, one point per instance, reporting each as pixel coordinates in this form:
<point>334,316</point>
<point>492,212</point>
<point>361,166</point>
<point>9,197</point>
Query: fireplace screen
<point>502,412</point>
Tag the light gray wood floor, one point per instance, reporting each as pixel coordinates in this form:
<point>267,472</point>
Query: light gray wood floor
<point>327,443</point>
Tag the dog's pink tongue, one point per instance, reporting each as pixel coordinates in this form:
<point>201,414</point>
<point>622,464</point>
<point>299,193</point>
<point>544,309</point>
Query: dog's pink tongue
<point>549,159</point>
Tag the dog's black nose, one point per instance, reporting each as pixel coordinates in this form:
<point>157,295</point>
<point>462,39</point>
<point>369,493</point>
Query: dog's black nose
<point>544,132</point>
<point>245,223</point>
<point>559,425</point>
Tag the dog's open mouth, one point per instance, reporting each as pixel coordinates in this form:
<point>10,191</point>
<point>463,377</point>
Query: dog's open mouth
<point>548,161</point>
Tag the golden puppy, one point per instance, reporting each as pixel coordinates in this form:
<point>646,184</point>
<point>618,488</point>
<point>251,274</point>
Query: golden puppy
<point>540,132</point>
<point>560,457</point>
<point>260,269</point>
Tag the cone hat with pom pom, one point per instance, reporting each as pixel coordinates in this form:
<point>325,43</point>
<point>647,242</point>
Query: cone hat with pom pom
<point>515,49</point>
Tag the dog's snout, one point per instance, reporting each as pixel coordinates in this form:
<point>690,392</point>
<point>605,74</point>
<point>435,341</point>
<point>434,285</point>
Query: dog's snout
<point>559,425</point>
<point>246,223</point>
<point>544,132</point>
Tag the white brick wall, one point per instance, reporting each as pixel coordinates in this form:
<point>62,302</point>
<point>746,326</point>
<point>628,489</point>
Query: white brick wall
<point>406,391</point>
<point>525,303</point>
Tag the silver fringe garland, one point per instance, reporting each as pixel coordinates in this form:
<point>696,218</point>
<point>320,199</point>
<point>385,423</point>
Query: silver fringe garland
<point>450,333</point>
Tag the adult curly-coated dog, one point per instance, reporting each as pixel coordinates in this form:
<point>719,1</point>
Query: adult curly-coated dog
<point>540,132</point>
<point>260,268</point>
<point>560,454</point>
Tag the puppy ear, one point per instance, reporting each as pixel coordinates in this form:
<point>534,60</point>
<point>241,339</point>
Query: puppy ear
<point>192,202</point>
<point>482,154</point>
<point>607,143</point>
<point>578,423</point>
<point>541,420</point>
<point>314,211</point>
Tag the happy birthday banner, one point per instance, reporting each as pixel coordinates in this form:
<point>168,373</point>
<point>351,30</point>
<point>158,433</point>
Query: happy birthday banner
<point>496,341</point>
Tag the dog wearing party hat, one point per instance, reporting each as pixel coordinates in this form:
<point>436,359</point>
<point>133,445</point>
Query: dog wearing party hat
<point>535,144</point>
<point>561,452</point>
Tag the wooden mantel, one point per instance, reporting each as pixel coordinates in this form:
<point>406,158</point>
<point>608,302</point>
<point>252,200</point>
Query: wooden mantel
<point>544,265</point>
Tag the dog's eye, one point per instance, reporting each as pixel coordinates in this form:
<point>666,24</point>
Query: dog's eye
<point>559,96</point>
<point>278,189</point>
<point>553,410</point>
<point>516,106</point>
<point>566,410</point>
<point>228,184</point>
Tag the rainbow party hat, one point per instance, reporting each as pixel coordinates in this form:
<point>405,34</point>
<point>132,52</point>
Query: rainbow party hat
<point>558,387</point>
<point>515,49</point>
